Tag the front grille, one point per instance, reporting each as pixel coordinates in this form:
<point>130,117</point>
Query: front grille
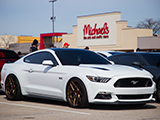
<point>146,96</point>
<point>133,82</point>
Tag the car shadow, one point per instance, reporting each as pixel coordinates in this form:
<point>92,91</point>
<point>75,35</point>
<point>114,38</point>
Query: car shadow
<point>120,107</point>
<point>2,93</point>
<point>91,106</point>
<point>45,101</point>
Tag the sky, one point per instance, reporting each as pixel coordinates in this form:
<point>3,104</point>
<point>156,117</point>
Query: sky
<point>32,17</point>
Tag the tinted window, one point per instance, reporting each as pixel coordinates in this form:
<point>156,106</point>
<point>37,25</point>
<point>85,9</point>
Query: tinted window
<point>8,55</point>
<point>38,58</point>
<point>152,59</point>
<point>76,57</point>
<point>114,59</point>
<point>129,59</point>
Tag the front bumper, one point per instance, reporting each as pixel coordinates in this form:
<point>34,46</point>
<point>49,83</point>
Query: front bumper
<point>130,99</point>
<point>106,93</point>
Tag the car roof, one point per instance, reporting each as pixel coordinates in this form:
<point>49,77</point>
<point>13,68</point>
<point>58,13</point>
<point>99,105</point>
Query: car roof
<point>147,52</point>
<point>135,53</point>
<point>5,49</point>
<point>66,49</point>
<point>140,53</point>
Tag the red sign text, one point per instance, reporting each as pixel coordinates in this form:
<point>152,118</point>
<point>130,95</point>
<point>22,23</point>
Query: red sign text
<point>95,33</point>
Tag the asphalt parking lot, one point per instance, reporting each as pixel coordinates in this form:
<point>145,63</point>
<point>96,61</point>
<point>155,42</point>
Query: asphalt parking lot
<point>41,109</point>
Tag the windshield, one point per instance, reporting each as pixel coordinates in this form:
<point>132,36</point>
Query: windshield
<point>78,56</point>
<point>153,59</point>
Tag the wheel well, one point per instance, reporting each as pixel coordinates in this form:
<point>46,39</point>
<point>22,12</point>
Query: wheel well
<point>9,76</point>
<point>75,78</point>
<point>72,79</point>
<point>15,77</point>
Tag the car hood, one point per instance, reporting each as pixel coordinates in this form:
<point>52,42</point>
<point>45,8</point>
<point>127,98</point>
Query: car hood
<point>112,70</point>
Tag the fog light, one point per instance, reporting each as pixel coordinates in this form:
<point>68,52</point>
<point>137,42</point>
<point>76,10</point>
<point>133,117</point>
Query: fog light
<point>103,95</point>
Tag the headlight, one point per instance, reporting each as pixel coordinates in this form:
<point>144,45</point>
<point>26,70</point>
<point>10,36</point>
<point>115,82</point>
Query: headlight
<point>98,79</point>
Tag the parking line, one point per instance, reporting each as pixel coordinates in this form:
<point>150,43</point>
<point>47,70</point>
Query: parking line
<point>45,108</point>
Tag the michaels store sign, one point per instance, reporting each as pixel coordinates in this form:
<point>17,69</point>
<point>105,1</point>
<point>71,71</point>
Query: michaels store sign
<point>95,33</point>
<point>97,29</point>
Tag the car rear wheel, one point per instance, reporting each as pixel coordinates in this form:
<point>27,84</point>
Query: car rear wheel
<point>76,93</point>
<point>158,92</point>
<point>12,88</point>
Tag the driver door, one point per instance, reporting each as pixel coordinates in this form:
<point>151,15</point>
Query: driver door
<point>42,79</point>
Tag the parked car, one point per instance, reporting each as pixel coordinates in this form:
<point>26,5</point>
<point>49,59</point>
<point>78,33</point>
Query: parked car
<point>77,76</point>
<point>7,56</point>
<point>148,61</point>
<point>108,53</point>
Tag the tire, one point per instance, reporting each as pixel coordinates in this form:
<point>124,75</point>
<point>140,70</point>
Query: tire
<point>12,88</point>
<point>158,92</point>
<point>76,94</point>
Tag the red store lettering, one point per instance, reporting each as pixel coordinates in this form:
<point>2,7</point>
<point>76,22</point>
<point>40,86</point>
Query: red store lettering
<point>95,31</point>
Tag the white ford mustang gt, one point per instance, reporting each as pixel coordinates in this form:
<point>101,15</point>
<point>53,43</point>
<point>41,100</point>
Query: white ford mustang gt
<point>76,76</point>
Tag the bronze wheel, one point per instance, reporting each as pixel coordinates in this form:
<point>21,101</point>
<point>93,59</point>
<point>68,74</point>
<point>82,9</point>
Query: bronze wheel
<point>76,93</point>
<point>12,88</point>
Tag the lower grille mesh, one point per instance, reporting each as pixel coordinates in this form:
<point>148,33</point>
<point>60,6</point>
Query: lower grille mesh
<point>134,96</point>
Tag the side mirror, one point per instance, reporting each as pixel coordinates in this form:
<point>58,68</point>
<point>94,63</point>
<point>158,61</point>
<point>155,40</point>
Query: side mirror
<point>48,63</point>
<point>137,64</point>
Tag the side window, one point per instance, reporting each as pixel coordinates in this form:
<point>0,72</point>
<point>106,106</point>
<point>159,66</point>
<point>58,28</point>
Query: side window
<point>129,59</point>
<point>38,58</point>
<point>114,59</point>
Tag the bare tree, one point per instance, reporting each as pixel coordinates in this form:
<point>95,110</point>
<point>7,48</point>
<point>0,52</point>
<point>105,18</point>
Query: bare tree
<point>151,24</point>
<point>5,40</point>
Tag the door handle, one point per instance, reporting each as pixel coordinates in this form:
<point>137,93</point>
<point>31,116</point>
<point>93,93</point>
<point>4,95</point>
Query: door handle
<point>30,71</point>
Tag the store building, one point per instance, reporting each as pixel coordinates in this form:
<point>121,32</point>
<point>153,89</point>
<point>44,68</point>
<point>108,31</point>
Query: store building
<point>108,32</point>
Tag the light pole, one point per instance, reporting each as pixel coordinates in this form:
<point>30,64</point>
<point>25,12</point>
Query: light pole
<point>53,18</point>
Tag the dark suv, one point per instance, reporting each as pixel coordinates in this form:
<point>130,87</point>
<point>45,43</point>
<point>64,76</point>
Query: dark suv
<point>7,56</point>
<point>145,60</point>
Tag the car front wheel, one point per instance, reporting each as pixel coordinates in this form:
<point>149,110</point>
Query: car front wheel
<point>76,93</point>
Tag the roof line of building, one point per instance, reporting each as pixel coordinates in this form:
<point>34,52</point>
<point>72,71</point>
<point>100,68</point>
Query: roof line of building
<point>99,14</point>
